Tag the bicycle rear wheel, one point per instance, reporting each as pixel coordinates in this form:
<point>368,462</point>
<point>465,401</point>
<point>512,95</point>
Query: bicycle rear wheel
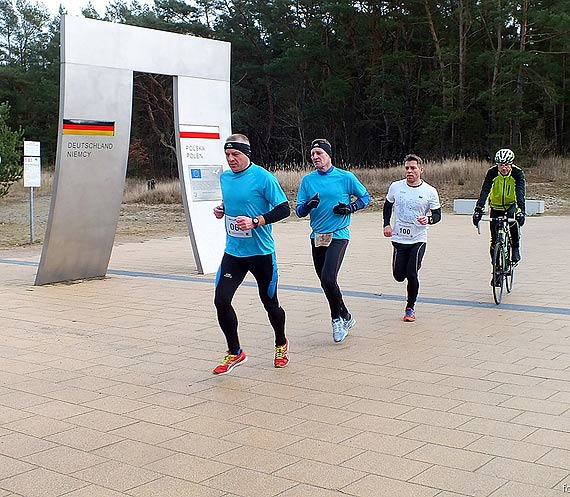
<point>498,273</point>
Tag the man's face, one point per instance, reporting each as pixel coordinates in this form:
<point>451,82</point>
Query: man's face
<point>413,172</point>
<point>236,160</point>
<point>505,169</point>
<point>321,160</point>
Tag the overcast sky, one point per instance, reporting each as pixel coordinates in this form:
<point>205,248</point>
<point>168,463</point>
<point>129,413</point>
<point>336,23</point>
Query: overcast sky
<point>74,7</point>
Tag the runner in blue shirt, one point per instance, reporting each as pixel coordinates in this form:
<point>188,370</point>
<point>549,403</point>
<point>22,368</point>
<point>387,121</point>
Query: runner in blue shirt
<point>326,195</point>
<point>252,201</point>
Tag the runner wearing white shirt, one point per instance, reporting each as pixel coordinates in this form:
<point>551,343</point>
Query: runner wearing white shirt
<point>411,200</point>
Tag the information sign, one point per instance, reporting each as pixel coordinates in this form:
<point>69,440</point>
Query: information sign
<point>32,149</point>
<point>205,182</point>
<point>32,172</point>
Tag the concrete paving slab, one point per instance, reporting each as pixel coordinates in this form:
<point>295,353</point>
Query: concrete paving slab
<point>106,385</point>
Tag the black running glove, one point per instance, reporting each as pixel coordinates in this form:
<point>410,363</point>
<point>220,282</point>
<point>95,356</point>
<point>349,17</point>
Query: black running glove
<point>312,202</point>
<point>342,209</point>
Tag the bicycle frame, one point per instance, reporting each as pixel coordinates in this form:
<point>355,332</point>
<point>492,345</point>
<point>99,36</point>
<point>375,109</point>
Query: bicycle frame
<point>503,232</point>
<point>503,267</point>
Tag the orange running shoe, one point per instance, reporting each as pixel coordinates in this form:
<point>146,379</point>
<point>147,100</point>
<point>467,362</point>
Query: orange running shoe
<point>281,355</point>
<point>410,315</point>
<point>230,362</point>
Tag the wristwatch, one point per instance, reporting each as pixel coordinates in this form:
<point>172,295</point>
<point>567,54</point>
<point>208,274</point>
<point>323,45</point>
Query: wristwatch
<point>255,222</point>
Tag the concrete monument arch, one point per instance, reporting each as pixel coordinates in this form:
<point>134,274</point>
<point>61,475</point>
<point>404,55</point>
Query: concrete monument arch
<point>97,64</point>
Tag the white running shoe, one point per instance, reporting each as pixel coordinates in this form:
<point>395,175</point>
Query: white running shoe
<point>350,322</point>
<point>339,329</point>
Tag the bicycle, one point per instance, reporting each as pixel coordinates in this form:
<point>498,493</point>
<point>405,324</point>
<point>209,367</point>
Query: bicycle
<point>503,267</point>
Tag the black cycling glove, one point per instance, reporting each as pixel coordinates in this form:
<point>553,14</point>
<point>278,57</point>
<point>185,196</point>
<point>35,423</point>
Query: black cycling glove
<point>477,215</point>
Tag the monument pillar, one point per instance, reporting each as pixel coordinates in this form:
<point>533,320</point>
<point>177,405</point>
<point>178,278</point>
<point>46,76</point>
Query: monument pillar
<point>98,61</point>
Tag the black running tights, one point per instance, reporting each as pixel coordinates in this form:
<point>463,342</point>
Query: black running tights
<point>231,274</point>
<point>327,262</point>
<point>406,263</point>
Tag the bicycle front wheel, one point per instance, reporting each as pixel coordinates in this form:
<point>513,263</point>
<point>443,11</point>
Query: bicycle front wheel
<point>498,273</point>
<point>509,267</point>
<point>510,276</point>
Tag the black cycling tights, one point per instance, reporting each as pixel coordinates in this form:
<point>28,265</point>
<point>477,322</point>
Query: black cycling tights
<point>230,276</point>
<point>406,263</point>
<point>327,261</point>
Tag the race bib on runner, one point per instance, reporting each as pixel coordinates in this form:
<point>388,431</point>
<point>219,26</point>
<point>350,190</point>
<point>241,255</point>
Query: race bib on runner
<point>323,239</point>
<point>406,230</point>
<point>233,230</point>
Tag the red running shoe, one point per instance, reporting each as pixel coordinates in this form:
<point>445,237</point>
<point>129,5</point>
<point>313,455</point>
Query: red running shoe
<point>281,355</point>
<point>230,362</point>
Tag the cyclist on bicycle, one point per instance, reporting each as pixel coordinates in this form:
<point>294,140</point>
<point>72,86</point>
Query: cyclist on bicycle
<point>504,188</point>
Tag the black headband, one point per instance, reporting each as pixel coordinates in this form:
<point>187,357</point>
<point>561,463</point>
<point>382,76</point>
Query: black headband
<point>244,148</point>
<point>324,145</point>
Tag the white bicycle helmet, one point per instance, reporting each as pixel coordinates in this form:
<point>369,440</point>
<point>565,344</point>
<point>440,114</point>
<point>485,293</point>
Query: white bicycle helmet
<point>504,156</point>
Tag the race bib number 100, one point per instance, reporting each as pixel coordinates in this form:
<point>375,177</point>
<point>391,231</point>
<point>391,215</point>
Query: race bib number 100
<point>407,230</point>
<point>233,230</point>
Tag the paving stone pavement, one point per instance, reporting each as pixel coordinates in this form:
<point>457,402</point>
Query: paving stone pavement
<point>106,387</point>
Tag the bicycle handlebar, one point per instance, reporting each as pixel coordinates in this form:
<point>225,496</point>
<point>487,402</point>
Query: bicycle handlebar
<point>499,218</point>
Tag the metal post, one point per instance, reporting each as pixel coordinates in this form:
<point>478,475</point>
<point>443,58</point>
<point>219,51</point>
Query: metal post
<point>31,214</point>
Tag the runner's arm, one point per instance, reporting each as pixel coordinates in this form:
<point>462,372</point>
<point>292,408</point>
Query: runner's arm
<point>278,213</point>
<point>387,212</point>
<point>302,210</point>
<point>360,203</point>
<point>435,216</point>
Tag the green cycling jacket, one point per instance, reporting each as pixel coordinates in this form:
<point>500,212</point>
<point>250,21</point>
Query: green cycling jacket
<point>503,191</point>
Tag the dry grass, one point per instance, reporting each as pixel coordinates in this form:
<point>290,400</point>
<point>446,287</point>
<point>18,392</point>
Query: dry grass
<point>18,192</point>
<point>158,212</point>
<point>135,191</point>
<point>467,173</point>
<point>549,178</point>
<point>165,192</point>
<point>551,169</point>
<point>452,178</point>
